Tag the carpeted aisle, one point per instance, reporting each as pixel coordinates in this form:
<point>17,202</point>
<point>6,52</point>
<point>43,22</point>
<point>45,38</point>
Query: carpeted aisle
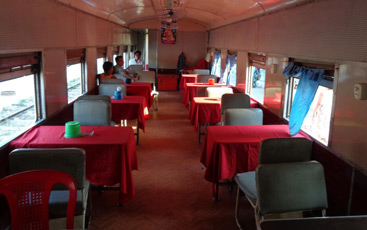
<point>171,192</point>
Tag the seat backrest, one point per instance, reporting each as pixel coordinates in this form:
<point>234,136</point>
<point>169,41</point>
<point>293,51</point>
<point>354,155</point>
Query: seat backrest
<point>109,89</point>
<point>68,160</point>
<point>92,113</point>
<point>218,91</point>
<point>290,187</point>
<point>112,81</point>
<point>28,194</point>
<point>235,101</point>
<point>201,71</point>
<point>205,78</point>
<point>136,68</point>
<point>243,116</point>
<point>285,150</point>
<point>317,223</point>
<point>95,97</point>
<point>147,76</point>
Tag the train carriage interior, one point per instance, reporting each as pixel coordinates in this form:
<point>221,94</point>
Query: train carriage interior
<point>166,156</point>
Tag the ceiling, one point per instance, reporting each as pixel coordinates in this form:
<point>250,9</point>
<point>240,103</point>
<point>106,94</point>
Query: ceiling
<point>190,14</point>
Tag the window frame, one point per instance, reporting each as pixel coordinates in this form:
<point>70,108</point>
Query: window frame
<point>77,56</point>
<point>17,65</point>
<point>258,61</point>
<point>327,82</point>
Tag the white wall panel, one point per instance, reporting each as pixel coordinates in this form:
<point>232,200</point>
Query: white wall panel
<point>153,43</point>
<point>242,64</point>
<point>242,36</point>
<point>192,44</point>
<point>334,29</point>
<point>92,31</point>
<point>54,78</point>
<point>35,24</point>
<point>328,29</point>
<point>91,57</point>
<point>216,38</point>
<point>52,27</point>
<point>350,123</point>
<point>117,37</point>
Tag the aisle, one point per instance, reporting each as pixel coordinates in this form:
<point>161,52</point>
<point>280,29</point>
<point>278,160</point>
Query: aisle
<point>171,192</point>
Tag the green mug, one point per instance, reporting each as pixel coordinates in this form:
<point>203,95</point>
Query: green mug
<point>72,129</point>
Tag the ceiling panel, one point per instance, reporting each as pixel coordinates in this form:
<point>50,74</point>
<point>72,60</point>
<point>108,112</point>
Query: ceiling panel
<point>135,14</point>
<point>208,13</point>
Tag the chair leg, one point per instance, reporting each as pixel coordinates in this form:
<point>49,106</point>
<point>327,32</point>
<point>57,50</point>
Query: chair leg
<point>237,207</point>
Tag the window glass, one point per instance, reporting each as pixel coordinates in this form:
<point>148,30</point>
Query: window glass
<point>113,59</point>
<point>74,76</point>
<point>17,107</point>
<point>317,120</point>
<point>126,61</point>
<point>216,67</point>
<point>230,75</point>
<point>257,76</point>
<point>100,62</point>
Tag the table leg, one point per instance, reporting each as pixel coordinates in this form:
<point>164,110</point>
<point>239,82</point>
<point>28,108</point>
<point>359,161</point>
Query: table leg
<point>137,132</point>
<point>199,133</point>
<point>216,191</point>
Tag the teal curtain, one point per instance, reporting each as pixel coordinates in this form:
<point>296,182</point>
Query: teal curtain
<point>306,91</point>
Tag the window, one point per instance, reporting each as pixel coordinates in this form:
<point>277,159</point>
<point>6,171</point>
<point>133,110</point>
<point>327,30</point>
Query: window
<point>101,58</point>
<point>75,74</point>
<point>216,67</point>
<point>115,53</point>
<point>230,73</point>
<point>256,81</point>
<point>317,120</point>
<point>126,57</point>
<point>20,106</point>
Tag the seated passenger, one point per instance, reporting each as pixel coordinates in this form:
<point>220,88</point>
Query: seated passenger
<point>108,70</point>
<point>136,60</point>
<point>126,76</point>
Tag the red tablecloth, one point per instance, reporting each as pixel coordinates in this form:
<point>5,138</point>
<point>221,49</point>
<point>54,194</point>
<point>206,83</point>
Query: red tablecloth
<point>130,108</point>
<point>192,91</point>
<point>110,152</point>
<point>207,110</point>
<point>187,78</point>
<point>141,89</point>
<point>228,150</point>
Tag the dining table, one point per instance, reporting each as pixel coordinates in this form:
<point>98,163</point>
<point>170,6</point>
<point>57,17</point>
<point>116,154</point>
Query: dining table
<point>206,111</point>
<point>130,108</point>
<point>141,89</point>
<point>197,90</point>
<point>187,78</point>
<point>110,152</point>
<point>228,150</point>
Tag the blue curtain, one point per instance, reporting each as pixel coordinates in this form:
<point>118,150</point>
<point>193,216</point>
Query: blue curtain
<point>216,67</point>
<point>229,76</point>
<point>306,90</point>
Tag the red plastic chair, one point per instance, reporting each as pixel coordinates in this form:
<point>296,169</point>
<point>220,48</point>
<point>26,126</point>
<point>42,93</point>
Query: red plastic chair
<point>28,194</point>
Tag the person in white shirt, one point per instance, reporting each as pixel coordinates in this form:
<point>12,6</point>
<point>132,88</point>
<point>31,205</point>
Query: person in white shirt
<point>136,60</point>
<point>127,77</point>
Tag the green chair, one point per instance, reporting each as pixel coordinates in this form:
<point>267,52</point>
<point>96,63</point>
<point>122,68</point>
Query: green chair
<point>272,151</point>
